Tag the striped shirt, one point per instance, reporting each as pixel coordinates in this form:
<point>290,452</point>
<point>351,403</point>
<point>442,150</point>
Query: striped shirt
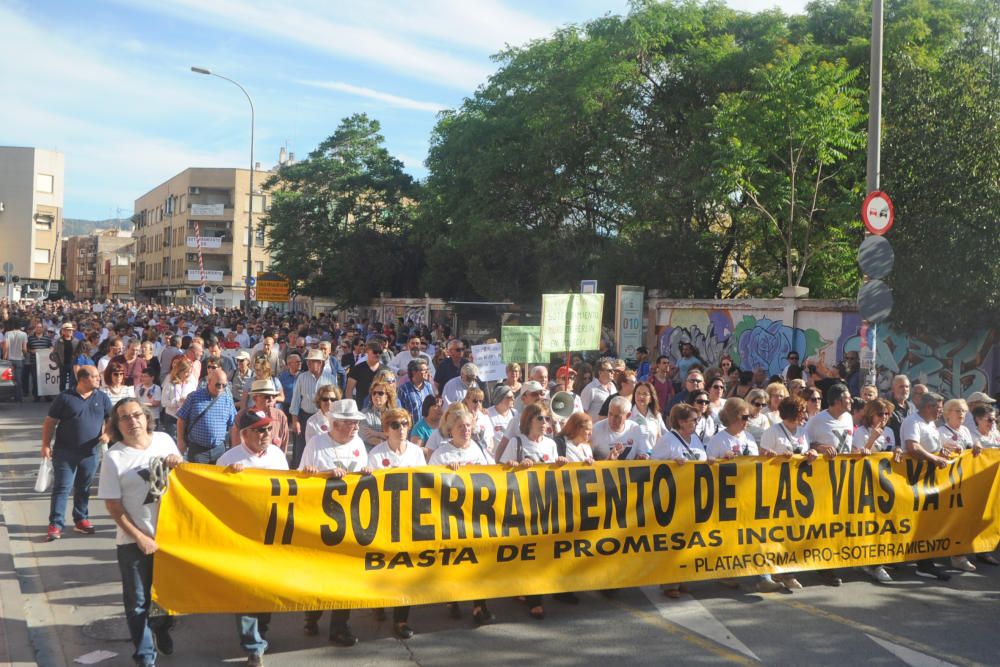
<point>306,385</point>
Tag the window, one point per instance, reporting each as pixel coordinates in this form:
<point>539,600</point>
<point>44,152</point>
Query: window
<point>258,232</point>
<point>42,255</point>
<point>123,281</point>
<point>43,221</point>
<point>167,235</point>
<point>258,203</point>
<point>45,183</point>
<point>258,267</point>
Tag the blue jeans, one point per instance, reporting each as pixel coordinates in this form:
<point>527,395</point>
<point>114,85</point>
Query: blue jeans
<point>252,628</point>
<point>20,379</point>
<point>137,578</point>
<point>71,468</point>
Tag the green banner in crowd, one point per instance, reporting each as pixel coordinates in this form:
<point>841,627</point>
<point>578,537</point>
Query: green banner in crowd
<point>571,322</point>
<point>520,345</point>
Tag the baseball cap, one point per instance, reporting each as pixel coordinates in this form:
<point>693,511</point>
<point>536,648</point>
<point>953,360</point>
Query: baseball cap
<point>253,420</point>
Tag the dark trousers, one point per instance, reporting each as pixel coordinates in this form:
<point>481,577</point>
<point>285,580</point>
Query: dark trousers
<point>338,619</point>
<point>71,469</point>
<point>300,440</point>
<point>137,578</point>
<point>202,454</point>
<point>66,378</point>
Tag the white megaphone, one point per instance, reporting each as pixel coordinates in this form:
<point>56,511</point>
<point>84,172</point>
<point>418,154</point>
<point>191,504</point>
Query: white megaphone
<point>561,404</point>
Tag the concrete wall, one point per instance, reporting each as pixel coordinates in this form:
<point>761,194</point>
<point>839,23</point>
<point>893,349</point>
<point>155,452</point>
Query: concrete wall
<point>760,332</point>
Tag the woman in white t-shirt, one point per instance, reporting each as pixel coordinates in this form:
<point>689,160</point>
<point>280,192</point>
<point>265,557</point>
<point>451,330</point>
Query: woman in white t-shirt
<point>530,447</point>
<point>125,487</point>
<point>482,432</point>
<point>502,411</point>
<point>457,452</point>
<point>148,393</point>
<point>397,452</point>
<point>318,423</point>
<point>680,443</point>
<point>873,433</point>
<point>707,425</point>
<point>646,413</point>
<point>439,436</point>
<point>114,382</point>
<point>733,440</point>
<point>787,437</point>
<point>716,395</point>
<point>595,393</point>
<point>776,392</point>
<point>955,437</point>
<point>757,399</point>
<point>573,441</point>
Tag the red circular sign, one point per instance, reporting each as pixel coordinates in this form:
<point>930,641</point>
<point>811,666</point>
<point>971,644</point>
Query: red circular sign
<point>878,213</point>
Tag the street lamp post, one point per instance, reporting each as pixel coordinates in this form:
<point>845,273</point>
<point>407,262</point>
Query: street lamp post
<point>250,234</point>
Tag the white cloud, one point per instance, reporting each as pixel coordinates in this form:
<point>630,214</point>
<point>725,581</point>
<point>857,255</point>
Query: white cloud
<point>388,98</point>
<point>322,29</point>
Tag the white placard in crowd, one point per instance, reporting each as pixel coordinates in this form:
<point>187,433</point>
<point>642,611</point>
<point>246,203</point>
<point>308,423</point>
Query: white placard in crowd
<point>489,359</point>
<point>46,373</point>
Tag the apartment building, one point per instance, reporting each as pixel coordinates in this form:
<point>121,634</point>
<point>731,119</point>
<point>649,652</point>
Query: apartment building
<point>191,231</point>
<point>100,265</point>
<point>31,212</point>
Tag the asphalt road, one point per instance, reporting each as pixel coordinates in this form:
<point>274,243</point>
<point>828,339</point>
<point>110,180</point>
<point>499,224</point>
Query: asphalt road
<point>62,600</point>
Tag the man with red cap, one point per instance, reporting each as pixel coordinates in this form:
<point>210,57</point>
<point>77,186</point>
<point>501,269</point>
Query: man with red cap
<point>254,451</point>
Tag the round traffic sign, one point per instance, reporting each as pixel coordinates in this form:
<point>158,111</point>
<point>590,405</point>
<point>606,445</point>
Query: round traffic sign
<point>878,213</point>
<point>875,301</point>
<point>251,281</point>
<point>875,257</point>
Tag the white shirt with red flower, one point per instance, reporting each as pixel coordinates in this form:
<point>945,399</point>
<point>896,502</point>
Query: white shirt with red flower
<point>520,447</point>
<point>382,457</point>
<point>324,453</point>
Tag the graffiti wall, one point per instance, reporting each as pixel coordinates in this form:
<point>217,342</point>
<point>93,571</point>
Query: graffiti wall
<point>757,337</point>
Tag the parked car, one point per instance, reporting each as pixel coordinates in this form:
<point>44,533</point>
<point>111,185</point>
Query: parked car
<point>6,380</point>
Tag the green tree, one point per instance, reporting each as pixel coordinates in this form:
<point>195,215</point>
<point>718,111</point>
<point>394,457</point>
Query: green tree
<point>780,145</point>
<point>342,222</point>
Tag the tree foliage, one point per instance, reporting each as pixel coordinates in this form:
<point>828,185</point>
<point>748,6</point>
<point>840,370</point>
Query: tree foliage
<point>342,222</point>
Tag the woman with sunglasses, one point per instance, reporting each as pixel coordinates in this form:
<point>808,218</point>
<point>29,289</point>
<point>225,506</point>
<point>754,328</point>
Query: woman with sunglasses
<point>483,429</point>
<point>533,446</point>
<point>326,396</point>
<point>646,413</point>
<point>679,444</point>
<point>776,393</point>
<point>707,425</point>
<point>597,392</point>
<point>114,382</point>
<point>431,411</point>
<point>734,441</point>
<point>986,436</point>
<point>396,452</point>
<point>458,451</point>
<point>381,397</point>
<point>716,394</point>
<point>146,350</point>
<point>813,399</point>
<point>757,399</point>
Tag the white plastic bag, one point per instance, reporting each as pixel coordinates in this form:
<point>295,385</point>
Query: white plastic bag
<point>45,476</point>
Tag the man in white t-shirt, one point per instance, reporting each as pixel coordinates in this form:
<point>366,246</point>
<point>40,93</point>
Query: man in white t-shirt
<point>128,490</point>
<point>594,394</point>
<point>618,437</point>
<point>400,363</point>
<point>829,431</point>
<point>337,451</point>
<point>254,451</point>
<point>454,390</point>
<point>921,439</point>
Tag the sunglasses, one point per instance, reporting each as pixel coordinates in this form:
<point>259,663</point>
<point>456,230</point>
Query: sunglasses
<point>745,418</point>
<point>541,418</point>
<point>327,399</point>
<point>816,399</point>
<point>718,386</point>
<point>118,373</point>
<point>263,430</point>
<point>398,425</point>
<point>757,405</point>
<point>701,401</point>
<point>378,393</point>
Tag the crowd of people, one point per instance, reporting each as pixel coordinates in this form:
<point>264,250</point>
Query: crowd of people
<point>144,387</point>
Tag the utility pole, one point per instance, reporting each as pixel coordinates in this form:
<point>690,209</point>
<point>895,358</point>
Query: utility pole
<point>875,143</point>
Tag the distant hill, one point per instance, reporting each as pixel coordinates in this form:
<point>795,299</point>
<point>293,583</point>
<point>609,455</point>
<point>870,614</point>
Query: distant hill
<point>78,227</point>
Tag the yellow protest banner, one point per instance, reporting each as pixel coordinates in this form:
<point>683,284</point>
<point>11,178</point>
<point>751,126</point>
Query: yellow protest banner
<point>266,541</point>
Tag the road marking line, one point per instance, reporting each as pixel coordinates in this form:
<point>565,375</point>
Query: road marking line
<point>682,633</point>
<point>878,632</point>
<point>909,656</point>
<point>691,615</point>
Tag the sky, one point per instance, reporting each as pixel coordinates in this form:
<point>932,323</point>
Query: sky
<point>109,82</point>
